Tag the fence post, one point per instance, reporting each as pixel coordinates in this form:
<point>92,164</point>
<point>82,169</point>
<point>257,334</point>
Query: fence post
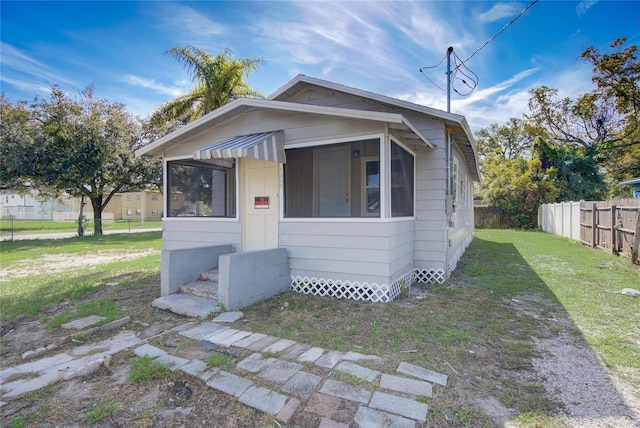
<point>613,229</point>
<point>594,230</point>
<point>636,240</point>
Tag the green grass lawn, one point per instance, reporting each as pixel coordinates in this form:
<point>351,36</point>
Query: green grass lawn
<point>585,283</point>
<point>479,327</point>
<point>33,293</point>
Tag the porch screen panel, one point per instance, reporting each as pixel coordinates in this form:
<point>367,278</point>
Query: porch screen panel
<point>402,178</point>
<point>328,181</point>
<point>201,189</point>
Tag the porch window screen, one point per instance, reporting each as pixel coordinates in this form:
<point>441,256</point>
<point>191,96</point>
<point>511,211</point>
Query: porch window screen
<point>402,177</point>
<point>331,180</point>
<point>207,190</point>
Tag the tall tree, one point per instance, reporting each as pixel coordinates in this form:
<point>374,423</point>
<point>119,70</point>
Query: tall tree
<point>80,146</point>
<point>511,140</point>
<point>575,176</point>
<point>218,80</point>
<point>17,133</point>
<point>617,76</point>
<point>604,123</point>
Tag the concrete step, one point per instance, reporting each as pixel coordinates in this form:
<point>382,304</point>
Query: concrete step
<point>205,289</point>
<point>209,275</point>
<point>188,305</point>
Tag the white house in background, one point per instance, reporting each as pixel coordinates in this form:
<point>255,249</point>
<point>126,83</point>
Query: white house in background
<point>28,206</point>
<point>367,193</point>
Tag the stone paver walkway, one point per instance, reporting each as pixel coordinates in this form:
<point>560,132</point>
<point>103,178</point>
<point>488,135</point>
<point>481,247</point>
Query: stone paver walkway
<point>280,377</point>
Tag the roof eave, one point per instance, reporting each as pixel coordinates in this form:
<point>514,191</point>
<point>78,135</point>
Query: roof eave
<point>201,124</point>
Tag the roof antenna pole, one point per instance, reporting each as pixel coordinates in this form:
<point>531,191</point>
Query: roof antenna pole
<point>449,51</point>
<point>448,147</point>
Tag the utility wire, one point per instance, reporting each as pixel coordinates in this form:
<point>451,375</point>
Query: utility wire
<point>471,80</point>
<point>421,69</point>
<point>501,30</point>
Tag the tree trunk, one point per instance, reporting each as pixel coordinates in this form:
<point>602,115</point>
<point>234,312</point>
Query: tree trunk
<point>636,241</point>
<point>97,217</point>
<point>81,217</point>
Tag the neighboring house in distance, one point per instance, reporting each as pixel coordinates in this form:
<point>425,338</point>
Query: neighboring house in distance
<point>28,207</point>
<point>635,182</point>
<point>367,193</point>
<point>144,204</point>
<point>128,206</point>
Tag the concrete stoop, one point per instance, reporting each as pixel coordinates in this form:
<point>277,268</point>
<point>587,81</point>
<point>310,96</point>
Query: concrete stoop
<point>196,299</point>
<point>187,305</point>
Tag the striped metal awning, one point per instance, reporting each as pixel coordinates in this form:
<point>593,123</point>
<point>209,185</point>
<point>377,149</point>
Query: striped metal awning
<point>267,146</point>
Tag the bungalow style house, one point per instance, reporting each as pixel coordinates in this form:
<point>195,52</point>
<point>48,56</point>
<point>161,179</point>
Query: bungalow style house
<point>368,194</point>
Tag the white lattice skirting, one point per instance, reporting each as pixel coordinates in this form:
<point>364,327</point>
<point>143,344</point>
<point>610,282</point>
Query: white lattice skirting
<point>431,276</point>
<point>439,276</point>
<point>354,290</point>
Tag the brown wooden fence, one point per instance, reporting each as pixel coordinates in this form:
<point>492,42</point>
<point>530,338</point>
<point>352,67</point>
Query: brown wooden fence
<point>612,225</point>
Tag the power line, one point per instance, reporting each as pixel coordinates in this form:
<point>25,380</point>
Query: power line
<point>469,79</point>
<point>501,30</point>
<point>421,69</point>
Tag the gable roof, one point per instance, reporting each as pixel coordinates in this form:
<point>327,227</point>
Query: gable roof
<point>457,124</point>
<point>242,105</point>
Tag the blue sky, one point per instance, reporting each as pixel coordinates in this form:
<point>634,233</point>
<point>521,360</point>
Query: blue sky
<point>120,46</point>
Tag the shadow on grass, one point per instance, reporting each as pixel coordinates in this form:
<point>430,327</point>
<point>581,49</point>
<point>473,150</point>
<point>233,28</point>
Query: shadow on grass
<point>486,328</point>
<point>561,358</point>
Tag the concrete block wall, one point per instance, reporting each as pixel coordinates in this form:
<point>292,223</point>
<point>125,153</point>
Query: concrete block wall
<point>248,277</point>
<point>180,266</point>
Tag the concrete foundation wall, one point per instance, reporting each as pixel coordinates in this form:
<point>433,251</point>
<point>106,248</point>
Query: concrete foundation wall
<point>180,266</point>
<point>249,277</point>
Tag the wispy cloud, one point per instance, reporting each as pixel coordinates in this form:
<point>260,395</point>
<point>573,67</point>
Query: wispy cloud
<point>499,11</point>
<point>585,5</point>
<point>185,23</point>
<point>485,105</point>
<point>28,74</point>
<point>353,37</point>
<point>146,83</point>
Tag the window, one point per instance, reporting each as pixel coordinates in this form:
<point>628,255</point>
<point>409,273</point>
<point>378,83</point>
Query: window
<point>402,177</point>
<point>208,189</point>
<point>138,197</point>
<point>154,212</point>
<point>336,180</point>
<point>129,211</point>
<point>154,197</point>
<point>138,211</point>
<point>371,180</point>
<point>454,187</point>
<point>128,197</point>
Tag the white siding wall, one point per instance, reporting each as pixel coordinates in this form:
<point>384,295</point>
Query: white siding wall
<point>353,250</point>
<point>297,129</point>
<point>461,232</point>
<point>430,230</point>
<point>431,220</point>
<point>192,232</point>
<point>371,252</point>
<point>401,246</point>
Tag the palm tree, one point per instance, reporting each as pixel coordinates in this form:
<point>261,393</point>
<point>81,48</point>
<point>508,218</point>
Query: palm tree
<point>218,80</point>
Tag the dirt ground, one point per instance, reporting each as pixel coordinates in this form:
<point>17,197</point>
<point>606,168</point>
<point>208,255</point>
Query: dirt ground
<point>590,394</point>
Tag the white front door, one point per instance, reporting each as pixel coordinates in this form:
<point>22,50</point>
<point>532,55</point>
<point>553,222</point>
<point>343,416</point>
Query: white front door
<point>260,204</point>
<point>332,166</point>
